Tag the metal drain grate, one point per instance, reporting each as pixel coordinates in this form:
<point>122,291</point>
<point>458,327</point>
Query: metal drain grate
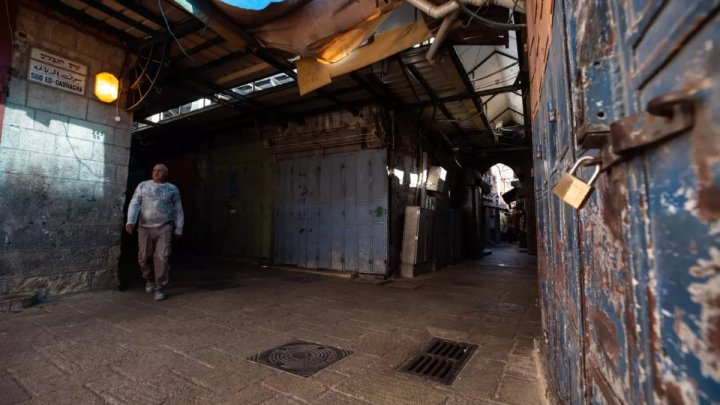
<point>300,357</point>
<point>441,361</point>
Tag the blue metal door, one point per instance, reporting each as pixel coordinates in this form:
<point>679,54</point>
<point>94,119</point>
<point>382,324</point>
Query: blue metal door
<point>675,50</point>
<point>332,212</point>
<point>632,309</point>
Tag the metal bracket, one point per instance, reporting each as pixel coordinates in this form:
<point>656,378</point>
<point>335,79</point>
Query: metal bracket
<point>666,116</point>
<point>599,101</point>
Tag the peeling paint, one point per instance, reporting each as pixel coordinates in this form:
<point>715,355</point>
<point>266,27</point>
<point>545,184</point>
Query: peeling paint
<point>710,267</point>
<point>649,325</point>
<point>707,294</point>
<point>680,392</point>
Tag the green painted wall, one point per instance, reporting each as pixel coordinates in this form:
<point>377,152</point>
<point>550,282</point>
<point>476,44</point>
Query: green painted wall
<point>237,183</point>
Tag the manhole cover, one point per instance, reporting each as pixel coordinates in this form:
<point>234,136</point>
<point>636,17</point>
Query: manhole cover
<point>300,358</point>
<point>501,307</point>
<point>441,361</point>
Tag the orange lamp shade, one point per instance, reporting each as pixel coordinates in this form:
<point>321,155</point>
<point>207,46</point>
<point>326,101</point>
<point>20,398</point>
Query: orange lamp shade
<point>106,87</point>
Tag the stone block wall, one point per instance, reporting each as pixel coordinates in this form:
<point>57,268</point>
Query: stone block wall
<point>63,167</point>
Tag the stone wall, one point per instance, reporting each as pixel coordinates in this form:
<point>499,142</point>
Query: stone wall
<point>63,167</point>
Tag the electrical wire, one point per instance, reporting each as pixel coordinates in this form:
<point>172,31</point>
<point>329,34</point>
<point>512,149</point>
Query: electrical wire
<point>495,83</point>
<point>167,24</point>
<point>490,23</point>
<point>496,72</point>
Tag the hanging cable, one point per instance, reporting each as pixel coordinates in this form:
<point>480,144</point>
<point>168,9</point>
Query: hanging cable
<point>484,86</point>
<point>491,23</point>
<point>167,24</point>
<point>495,72</point>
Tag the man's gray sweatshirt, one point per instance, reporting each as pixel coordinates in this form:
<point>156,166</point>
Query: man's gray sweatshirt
<point>156,204</point>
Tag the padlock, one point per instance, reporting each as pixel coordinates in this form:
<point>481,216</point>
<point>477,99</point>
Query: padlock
<point>573,190</point>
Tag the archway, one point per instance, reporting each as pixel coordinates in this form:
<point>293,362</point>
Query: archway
<point>505,217</point>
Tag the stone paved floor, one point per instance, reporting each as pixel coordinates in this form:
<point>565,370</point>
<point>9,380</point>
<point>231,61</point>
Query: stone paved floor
<point>122,347</point>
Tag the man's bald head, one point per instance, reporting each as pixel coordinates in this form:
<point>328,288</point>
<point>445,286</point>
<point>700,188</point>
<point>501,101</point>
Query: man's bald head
<point>159,173</point>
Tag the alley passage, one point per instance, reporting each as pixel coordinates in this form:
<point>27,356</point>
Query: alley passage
<point>123,347</point>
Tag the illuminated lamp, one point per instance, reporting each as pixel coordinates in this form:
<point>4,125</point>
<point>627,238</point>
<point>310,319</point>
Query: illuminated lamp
<point>106,87</point>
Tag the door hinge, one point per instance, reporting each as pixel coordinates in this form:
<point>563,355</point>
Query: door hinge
<point>665,117</point>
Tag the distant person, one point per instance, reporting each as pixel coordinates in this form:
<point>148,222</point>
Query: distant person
<point>157,203</point>
<point>503,228</point>
<point>522,235</point>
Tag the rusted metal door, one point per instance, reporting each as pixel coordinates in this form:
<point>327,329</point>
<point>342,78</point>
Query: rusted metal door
<point>673,55</point>
<point>558,241</point>
<point>630,284</point>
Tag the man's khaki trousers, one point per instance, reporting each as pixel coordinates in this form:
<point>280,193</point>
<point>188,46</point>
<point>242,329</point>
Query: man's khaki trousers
<point>155,244</point>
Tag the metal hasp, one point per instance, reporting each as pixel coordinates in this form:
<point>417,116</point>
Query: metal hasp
<point>666,116</point>
<point>598,101</point>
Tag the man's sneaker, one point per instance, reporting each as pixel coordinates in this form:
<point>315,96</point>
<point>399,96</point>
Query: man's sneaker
<point>149,286</point>
<point>159,295</point>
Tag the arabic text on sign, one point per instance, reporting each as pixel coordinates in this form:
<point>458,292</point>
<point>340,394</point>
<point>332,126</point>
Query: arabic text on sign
<point>55,77</point>
<point>58,61</point>
<point>58,73</point>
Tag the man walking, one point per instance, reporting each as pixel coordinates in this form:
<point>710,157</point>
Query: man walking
<point>157,203</point>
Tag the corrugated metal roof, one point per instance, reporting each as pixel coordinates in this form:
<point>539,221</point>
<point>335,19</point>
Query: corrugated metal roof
<point>453,94</point>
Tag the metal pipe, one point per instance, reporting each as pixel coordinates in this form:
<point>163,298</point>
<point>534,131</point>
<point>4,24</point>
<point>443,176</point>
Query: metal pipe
<point>435,11</point>
<point>517,5</point>
<point>441,10</point>
<point>450,10</point>
<point>441,34</point>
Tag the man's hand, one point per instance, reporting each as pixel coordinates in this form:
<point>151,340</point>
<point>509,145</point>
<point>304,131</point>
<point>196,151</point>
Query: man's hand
<point>177,237</point>
<point>129,228</point>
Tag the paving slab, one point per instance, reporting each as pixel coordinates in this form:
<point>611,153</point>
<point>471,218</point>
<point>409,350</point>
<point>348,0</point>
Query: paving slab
<point>123,347</point>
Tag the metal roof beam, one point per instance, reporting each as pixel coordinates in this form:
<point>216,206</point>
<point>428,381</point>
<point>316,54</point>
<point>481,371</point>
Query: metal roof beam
<point>118,16</point>
<point>288,70</point>
<point>479,106</point>
<point>370,88</point>
<point>209,15</point>
<point>91,21</point>
<point>237,96</point>
<point>386,91</point>
<point>461,97</point>
<point>485,59</point>
<point>144,12</point>
<point>199,48</point>
<point>426,86</point>
<point>215,63</point>
<point>516,111</point>
<point>507,55</point>
<point>501,113</point>
<point>179,31</point>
